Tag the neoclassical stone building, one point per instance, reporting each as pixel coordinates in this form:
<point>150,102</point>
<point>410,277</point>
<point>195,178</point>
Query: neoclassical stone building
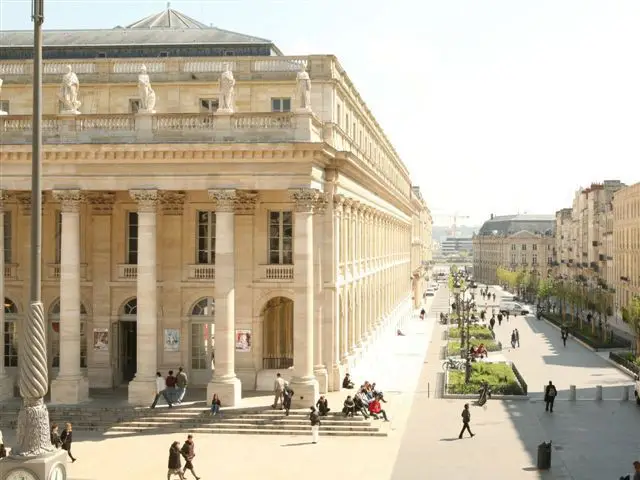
<point>240,243</point>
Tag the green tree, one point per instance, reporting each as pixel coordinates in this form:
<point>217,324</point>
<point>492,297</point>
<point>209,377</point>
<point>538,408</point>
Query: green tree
<point>545,290</point>
<point>634,320</point>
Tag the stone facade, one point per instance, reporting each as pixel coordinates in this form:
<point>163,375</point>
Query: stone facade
<point>236,245</point>
<point>421,244</point>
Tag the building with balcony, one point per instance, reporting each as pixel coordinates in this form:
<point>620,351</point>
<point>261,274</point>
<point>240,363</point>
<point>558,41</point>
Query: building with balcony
<point>626,246</point>
<point>513,242</point>
<point>272,235</point>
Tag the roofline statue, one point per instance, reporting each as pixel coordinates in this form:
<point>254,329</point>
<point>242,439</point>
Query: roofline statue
<point>303,90</point>
<point>227,91</point>
<point>147,94</point>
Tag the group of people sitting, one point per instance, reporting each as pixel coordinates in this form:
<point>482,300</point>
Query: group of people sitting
<point>366,401</point>
<point>478,352</point>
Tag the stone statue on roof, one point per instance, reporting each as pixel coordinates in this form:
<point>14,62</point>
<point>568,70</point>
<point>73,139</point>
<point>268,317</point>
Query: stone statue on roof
<point>227,90</point>
<point>147,94</point>
<point>1,111</point>
<point>69,92</point>
<point>303,90</point>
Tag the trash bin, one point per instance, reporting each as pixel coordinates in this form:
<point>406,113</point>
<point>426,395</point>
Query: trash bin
<point>544,456</point>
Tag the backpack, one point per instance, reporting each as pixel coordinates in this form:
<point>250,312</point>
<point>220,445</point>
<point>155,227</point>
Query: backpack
<point>553,392</point>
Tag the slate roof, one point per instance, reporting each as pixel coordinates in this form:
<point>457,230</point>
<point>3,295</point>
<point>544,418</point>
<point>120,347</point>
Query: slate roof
<point>168,27</point>
<point>512,224</point>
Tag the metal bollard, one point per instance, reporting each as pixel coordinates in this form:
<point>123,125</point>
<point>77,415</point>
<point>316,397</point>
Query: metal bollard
<point>572,393</point>
<point>598,393</point>
<point>625,393</point>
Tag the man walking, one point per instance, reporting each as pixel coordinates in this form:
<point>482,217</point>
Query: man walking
<point>466,419</point>
<point>314,418</point>
<point>181,383</point>
<point>278,391</point>
<point>517,337</point>
<point>188,451</point>
<point>549,396</point>
<point>564,332</point>
<point>161,391</point>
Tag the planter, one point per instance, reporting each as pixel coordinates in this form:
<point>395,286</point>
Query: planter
<point>513,387</point>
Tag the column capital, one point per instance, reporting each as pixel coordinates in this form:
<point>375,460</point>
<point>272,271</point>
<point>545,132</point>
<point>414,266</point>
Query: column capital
<point>69,199</point>
<point>346,205</point>
<point>147,199</point>
<point>4,196</point>
<point>101,202</point>
<point>225,199</point>
<point>172,202</point>
<point>24,200</point>
<point>246,202</point>
<point>355,208</point>
<point>338,204</point>
<point>305,199</point>
<point>322,203</point>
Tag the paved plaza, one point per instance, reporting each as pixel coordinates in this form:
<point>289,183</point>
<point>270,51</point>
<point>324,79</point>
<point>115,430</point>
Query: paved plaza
<point>592,440</point>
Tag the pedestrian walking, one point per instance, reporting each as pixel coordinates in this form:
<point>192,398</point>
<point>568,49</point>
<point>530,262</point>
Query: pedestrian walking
<point>499,321</point>
<point>175,465</point>
<point>278,391</point>
<point>466,419</point>
<point>188,451</point>
<point>517,337</point>
<point>508,315</point>
<point>161,391</point>
<point>314,418</point>
<point>564,332</point>
<point>55,436</point>
<point>513,339</point>
<point>287,396</point>
<point>181,384</point>
<point>67,439</point>
<point>550,393</point>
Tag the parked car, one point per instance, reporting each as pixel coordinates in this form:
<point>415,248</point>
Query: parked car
<point>513,309</point>
<point>430,292</point>
<point>637,392</point>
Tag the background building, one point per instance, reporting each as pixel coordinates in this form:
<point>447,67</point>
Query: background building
<point>513,242</point>
<point>421,243</point>
<point>271,236</point>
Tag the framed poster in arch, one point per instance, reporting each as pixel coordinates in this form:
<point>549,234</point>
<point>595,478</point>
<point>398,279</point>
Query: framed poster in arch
<point>243,340</point>
<point>171,340</point>
<point>100,339</point>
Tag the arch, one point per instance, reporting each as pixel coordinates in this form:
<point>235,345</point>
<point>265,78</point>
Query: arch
<point>10,307</point>
<point>277,337</point>
<point>129,307</point>
<point>54,308</point>
<point>202,337</point>
<point>205,307</point>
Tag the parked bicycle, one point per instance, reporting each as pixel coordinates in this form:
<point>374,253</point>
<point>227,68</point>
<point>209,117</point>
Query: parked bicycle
<point>453,364</point>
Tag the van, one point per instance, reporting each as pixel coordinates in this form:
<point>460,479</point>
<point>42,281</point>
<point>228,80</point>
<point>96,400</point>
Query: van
<point>507,297</point>
<point>637,392</point>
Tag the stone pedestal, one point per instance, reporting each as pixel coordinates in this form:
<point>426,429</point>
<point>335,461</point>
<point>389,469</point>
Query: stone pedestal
<point>144,125</point>
<point>306,393</point>
<point>69,391</point>
<point>142,391</point>
<point>229,391</point>
<point>322,376</point>
<point>41,468</point>
<point>6,387</point>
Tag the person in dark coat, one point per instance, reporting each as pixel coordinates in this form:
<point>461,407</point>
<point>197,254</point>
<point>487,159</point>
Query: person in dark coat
<point>323,406</point>
<point>55,436</point>
<point>188,451</point>
<point>287,396</point>
<point>550,394</point>
<point>175,464</point>
<point>565,334</point>
<point>67,439</point>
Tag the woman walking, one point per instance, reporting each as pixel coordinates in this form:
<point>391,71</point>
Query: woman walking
<point>55,436</point>
<point>67,439</point>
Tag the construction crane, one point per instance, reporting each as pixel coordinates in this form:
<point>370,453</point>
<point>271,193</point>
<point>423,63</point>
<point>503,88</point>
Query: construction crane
<point>455,217</point>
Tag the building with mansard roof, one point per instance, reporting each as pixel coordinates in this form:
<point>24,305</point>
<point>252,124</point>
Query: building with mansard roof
<point>226,208</point>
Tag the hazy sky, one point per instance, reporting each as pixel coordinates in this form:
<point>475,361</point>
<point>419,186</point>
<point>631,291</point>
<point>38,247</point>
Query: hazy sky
<point>496,106</point>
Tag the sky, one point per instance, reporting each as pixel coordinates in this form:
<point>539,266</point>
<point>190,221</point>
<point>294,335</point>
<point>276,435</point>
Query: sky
<point>495,106</point>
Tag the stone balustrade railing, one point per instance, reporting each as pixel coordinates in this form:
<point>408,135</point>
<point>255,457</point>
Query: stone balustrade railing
<point>188,127</point>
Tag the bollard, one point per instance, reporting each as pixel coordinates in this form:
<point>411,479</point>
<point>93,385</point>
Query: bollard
<point>572,393</point>
<point>625,393</point>
<point>598,393</point>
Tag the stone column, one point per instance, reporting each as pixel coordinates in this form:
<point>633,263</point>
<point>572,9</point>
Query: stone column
<point>6,382</point>
<point>337,321</point>
<point>304,383</point>
<point>70,387</point>
<point>319,368</point>
<point>353,327</point>
<point>346,296</point>
<point>224,381</point>
<point>143,386</point>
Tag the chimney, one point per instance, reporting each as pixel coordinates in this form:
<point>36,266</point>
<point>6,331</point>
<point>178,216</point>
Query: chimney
<point>492,216</point>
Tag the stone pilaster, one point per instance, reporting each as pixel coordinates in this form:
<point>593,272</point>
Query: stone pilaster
<point>336,330</point>
<point>319,368</point>
<point>353,261</point>
<point>6,383</point>
<point>70,387</point>
<point>143,386</point>
<point>346,319</point>
<point>304,382</point>
<point>224,381</point>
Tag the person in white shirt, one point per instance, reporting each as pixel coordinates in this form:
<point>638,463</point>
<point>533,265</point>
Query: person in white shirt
<point>160,391</point>
<point>278,390</point>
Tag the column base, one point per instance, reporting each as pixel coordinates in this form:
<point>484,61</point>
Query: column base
<point>40,467</point>
<point>306,392</point>
<point>322,376</point>
<point>142,391</point>
<point>69,390</point>
<point>229,391</point>
<point>337,374</point>
<point>6,387</point>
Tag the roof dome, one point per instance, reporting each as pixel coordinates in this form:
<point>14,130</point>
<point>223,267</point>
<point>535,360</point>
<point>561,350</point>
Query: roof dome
<point>168,18</point>
<point>512,224</point>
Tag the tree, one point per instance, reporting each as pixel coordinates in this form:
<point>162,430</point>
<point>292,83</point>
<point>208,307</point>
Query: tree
<point>634,320</point>
<point>545,290</point>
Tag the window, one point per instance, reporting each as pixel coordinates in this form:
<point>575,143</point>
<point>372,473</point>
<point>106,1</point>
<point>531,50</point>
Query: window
<point>524,246</point>
<point>281,238</point>
<point>534,246</point>
<point>163,54</point>
<point>203,334</point>
<point>208,105</point>
<point>338,114</point>
<point>534,259</point>
<point>10,333</point>
<point>134,105</point>
<point>549,260</point>
<point>58,230</point>
<point>132,238</point>
<point>102,55</point>
<point>4,106</point>
<point>206,234</point>
<point>280,104</point>
<point>54,336</point>
<point>7,238</point>
<point>513,246</point>
<point>523,259</point>
<point>131,307</point>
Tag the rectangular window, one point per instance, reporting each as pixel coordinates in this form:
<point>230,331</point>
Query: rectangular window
<point>513,258</point>
<point>208,105</point>
<point>7,238</point>
<point>513,246</point>
<point>134,105</point>
<point>550,260</point>
<point>132,238</point>
<point>202,338</point>
<point>280,104</point>
<point>523,259</point>
<point>4,106</point>
<point>534,246</point>
<point>10,344</point>
<point>206,234</point>
<point>281,238</point>
<point>524,246</point>
<point>58,230</point>
<point>534,259</point>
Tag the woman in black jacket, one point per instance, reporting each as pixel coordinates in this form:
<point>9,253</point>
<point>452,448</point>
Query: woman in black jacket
<point>67,439</point>
<point>175,464</point>
<point>55,436</point>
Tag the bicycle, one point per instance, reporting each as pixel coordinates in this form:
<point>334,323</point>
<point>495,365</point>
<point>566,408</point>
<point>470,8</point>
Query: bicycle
<point>453,364</point>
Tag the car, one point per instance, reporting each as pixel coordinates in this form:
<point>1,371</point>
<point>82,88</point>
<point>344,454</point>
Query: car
<point>430,292</point>
<point>513,309</point>
<point>637,392</point>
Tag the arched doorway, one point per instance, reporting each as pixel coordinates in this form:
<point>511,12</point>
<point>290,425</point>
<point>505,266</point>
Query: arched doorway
<point>277,337</point>
<point>202,340</point>
<point>10,333</point>
<point>54,336</point>
<point>124,338</point>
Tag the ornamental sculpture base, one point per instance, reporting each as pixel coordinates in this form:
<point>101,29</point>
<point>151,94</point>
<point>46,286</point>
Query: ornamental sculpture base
<point>229,391</point>
<point>39,467</point>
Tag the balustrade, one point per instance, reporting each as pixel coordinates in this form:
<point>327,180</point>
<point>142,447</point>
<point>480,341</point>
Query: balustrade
<point>276,273</point>
<point>200,272</point>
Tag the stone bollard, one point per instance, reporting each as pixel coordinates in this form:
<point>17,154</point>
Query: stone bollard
<point>572,393</point>
<point>598,393</point>
<point>625,393</point>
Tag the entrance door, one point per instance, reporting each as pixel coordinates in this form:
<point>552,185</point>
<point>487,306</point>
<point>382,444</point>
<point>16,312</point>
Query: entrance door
<point>128,350</point>
<point>116,368</point>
